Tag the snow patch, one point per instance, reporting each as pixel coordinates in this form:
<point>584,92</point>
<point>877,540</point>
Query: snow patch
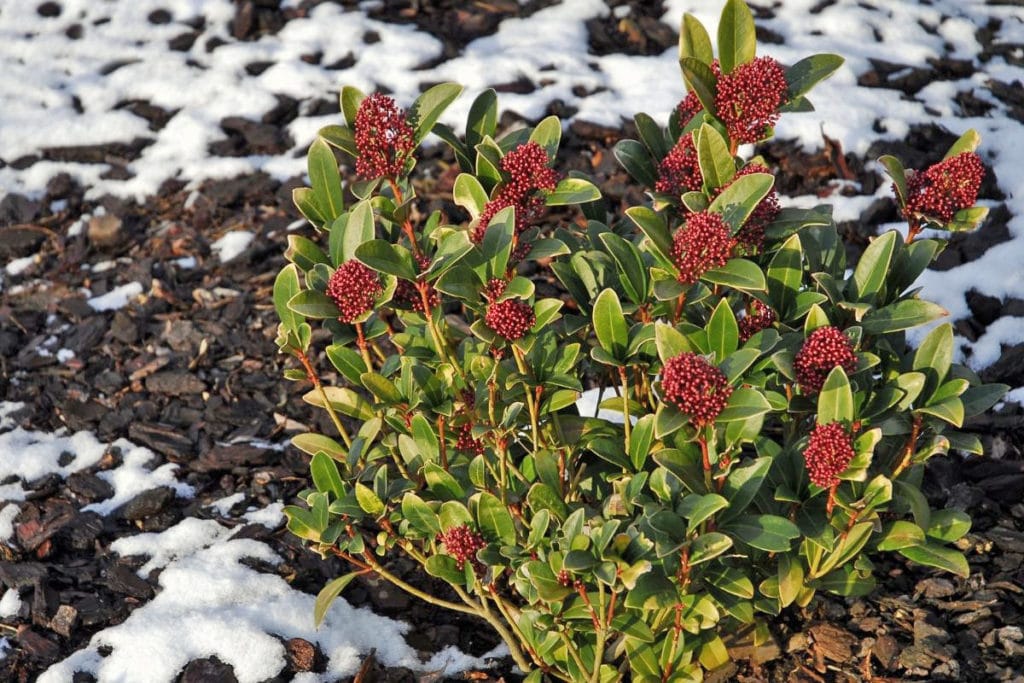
<point>116,298</point>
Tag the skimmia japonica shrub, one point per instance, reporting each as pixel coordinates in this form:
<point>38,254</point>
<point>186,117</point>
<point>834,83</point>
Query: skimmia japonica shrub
<point>774,421</point>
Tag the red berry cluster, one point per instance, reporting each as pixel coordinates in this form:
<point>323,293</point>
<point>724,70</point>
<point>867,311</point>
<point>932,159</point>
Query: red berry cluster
<point>384,138</point>
<point>463,544</point>
<point>564,578</point>
<point>407,294</point>
<point>510,319</point>
<point>826,348</point>
<point>747,100</point>
<point>679,171</point>
<point>691,105</point>
<point>526,168</point>
<point>466,443</point>
<point>946,187</point>
<point>695,386</point>
<point>354,288</point>
<point>828,453</point>
<point>702,243</point>
<point>751,235</point>
<point>759,317</point>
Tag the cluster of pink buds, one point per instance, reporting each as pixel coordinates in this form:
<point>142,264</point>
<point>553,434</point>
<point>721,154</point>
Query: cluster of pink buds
<point>759,317</point>
<point>354,288</point>
<point>463,544</point>
<point>679,171</point>
<point>702,243</point>
<point>526,168</point>
<point>695,386</point>
<point>466,443</point>
<point>383,137</point>
<point>511,318</point>
<point>407,294</point>
<point>946,187</point>
<point>747,100</point>
<point>828,453</point>
<point>691,105</point>
<point>826,348</point>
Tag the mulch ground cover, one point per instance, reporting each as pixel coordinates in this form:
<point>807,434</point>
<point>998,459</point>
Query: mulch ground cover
<point>190,370</point>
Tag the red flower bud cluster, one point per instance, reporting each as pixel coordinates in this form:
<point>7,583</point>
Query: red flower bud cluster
<point>946,187</point>
<point>679,171</point>
<point>466,443</point>
<point>702,243</point>
<point>510,319</point>
<point>759,317</point>
<point>695,386</point>
<point>751,235</point>
<point>407,294</point>
<point>747,100</point>
<point>564,578</point>
<point>826,348</point>
<point>354,288</point>
<point>463,544</point>
<point>384,138</point>
<point>828,453</point>
<point>526,168</point>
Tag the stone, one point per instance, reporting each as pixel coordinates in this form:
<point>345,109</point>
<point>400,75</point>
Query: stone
<point>123,580</point>
<point>302,655</point>
<point>147,503</point>
<point>935,588</point>
<point>20,574</point>
<point>175,383</point>
<point>833,642</point>
<point>209,670</point>
<point>104,231</point>
<point>89,487</point>
<point>64,620</point>
<point>886,651</point>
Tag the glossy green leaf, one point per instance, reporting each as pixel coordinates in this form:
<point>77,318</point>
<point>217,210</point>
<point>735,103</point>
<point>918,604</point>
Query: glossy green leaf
<point>494,519</point>
<point>313,304</point>
<point>948,525</point>
<point>723,331</point>
<point>327,595</point>
<point>873,267</point>
<point>835,402</point>
<point>739,274</point>
<point>572,191</point>
<point>326,179</point>
<point>429,106</point>
<point>938,556</point>
<point>770,533</point>
<point>634,158</point>
<point>810,71</point>
<point>388,258</point>
<point>737,39</point>
<point>325,475</point>
<point>630,265</point>
<point>901,534</point>
<point>368,500</point>
<point>785,276</point>
<point>548,134</point>
<point>420,515</point>
<point>894,167</point>
<point>968,142</point>
<point>694,40</point>
<point>902,315</point>
<point>745,403</point>
<point>716,163</point>
<point>441,483</point>
<point>701,79</point>
<point>709,546</point>
<point>741,197</point>
<point>610,325</point>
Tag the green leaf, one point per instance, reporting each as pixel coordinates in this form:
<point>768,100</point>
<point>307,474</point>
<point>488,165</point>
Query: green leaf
<point>785,275</point>
<point>445,568</point>
<point>743,483</point>
<point>667,420</point>
<point>342,399</point>
<point>901,534</point>
<point>741,197</point>
<point>544,580</point>
<point>340,137</point>
<point>483,117</point>
<point>325,475</point>
<point>723,331</point>
<point>633,157</point>
<point>873,267</point>
<point>548,134</point>
<point>313,304</point>
<point>419,514</point>
<point>968,142</point>
<point>368,500</point>
<point>441,483</point>
<point>716,163</point>
<point>894,167</point>
<point>949,525</point>
<point>653,226</point>
<point>497,243</point>
<point>653,591</point>
<point>701,79</point>
<point>547,248</point>
<point>934,357</point>
<point>739,274</point>
<point>731,580</point>
<point>966,220</point>
<point>359,229</point>
<point>737,40</point>
<point>709,546</point>
<point>610,325</point>
<point>429,106</point>
<point>697,508</point>
<point>630,264</point>
<point>388,258</point>
<point>951,410</point>
<point>640,441</point>
<point>835,402</point>
<point>694,40</point>
<point>351,98</point>
<point>542,497</point>
<point>765,532</point>
<point>978,399</point>
<point>791,579</point>
<point>810,71</point>
<point>494,519</point>
<point>652,135</point>
<point>318,443</point>
<point>745,403</point>
<point>348,362</point>
<point>902,315</point>
<point>572,191</point>
<point>938,556</point>
<point>304,253</point>
<point>469,194</point>
<point>669,341</point>
<point>306,202</point>
<point>327,595</point>
<point>286,286</point>
<point>326,179</point>
<point>381,387</point>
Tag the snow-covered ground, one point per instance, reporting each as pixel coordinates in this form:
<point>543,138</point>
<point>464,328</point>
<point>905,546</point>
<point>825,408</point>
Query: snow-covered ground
<point>57,91</point>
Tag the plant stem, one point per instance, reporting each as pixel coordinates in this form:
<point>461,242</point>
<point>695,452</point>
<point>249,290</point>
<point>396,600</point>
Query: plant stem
<point>908,449</point>
<point>913,229</point>
<point>625,404</point>
<point>315,379</point>
<point>363,347</point>
<point>705,459</point>
<point>531,404</point>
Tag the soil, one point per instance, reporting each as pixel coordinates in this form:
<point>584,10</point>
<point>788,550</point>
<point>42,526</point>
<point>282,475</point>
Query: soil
<point>192,372</point>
